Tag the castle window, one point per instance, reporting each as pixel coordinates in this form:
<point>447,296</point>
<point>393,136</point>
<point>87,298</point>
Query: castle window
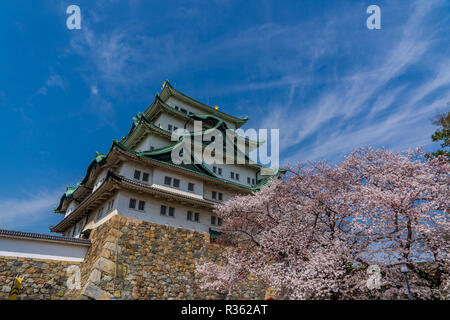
<point>189,215</point>
<point>217,170</point>
<point>175,128</point>
<point>219,221</point>
<point>213,220</point>
<point>171,212</point>
<point>253,181</point>
<point>197,217</point>
<point>137,174</point>
<point>237,176</point>
<point>232,175</point>
<point>110,205</point>
<point>220,196</point>
<point>163,210</point>
<point>176,183</point>
<point>214,195</point>
<point>168,181</point>
<point>183,110</point>
<point>248,180</point>
<point>141,205</point>
<point>190,186</point>
<point>169,127</point>
<point>145,177</point>
<point>132,204</point>
<point>152,148</point>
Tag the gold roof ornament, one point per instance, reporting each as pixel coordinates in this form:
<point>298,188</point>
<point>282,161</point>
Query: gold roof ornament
<point>216,107</point>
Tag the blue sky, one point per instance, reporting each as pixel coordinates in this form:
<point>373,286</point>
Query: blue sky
<point>310,68</point>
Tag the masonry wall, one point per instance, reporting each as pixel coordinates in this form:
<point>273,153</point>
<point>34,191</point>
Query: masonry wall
<point>43,279</point>
<point>128,259</point>
<point>153,262</point>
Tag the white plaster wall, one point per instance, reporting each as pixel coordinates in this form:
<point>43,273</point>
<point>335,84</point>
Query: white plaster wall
<point>175,102</point>
<point>244,172</point>
<point>100,178</point>
<point>127,170</point>
<point>72,206</point>
<point>152,212</point>
<point>154,141</point>
<point>158,181</point>
<point>208,189</point>
<point>39,249</point>
<point>164,120</point>
<point>102,211</point>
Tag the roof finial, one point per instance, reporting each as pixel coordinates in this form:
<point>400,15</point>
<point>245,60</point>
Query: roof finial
<point>216,107</point>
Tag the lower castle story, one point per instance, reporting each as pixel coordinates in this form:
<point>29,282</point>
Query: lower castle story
<point>127,259</point>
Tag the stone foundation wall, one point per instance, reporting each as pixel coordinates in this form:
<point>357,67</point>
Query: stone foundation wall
<point>128,259</point>
<point>153,262</point>
<point>43,279</point>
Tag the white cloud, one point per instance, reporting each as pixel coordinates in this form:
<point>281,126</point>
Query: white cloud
<point>21,212</point>
<point>94,90</point>
<point>367,107</point>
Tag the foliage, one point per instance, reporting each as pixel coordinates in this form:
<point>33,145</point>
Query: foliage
<point>442,134</point>
<point>313,234</point>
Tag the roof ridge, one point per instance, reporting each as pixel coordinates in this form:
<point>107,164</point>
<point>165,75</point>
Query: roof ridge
<point>41,236</point>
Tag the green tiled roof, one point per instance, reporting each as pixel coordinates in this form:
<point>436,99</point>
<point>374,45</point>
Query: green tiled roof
<point>163,155</point>
<point>98,161</point>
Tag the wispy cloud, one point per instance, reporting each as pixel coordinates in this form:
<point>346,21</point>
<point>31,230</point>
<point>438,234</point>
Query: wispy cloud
<point>53,80</point>
<point>328,95</point>
<point>370,106</point>
<point>23,212</point>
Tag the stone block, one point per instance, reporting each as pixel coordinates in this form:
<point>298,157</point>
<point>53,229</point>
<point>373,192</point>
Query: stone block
<point>94,292</point>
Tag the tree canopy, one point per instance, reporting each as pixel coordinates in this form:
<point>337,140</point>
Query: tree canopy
<point>442,134</point>
<point>321,231</point>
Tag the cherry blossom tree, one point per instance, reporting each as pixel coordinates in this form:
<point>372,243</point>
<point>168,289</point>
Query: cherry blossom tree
<point>314,233</point>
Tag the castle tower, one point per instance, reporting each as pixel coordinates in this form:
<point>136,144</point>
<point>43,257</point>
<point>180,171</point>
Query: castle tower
<point>138,178</point>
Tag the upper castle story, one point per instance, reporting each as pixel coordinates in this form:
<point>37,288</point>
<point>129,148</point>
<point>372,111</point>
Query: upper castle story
<point>142,163</point>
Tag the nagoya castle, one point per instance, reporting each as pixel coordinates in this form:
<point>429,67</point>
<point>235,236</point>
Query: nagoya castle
<point>139,221</point>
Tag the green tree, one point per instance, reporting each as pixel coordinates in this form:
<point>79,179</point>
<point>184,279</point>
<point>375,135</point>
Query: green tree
<point>442,135</point>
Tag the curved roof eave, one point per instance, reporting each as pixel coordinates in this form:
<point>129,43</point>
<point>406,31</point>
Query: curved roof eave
<point>168,91</point>
<point>98,159</point>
